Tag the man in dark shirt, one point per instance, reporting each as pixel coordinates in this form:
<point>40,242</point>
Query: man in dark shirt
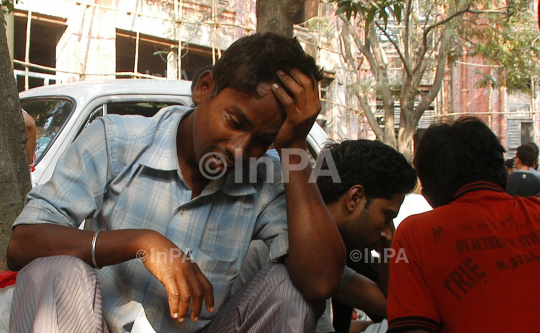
<point>522,181</point>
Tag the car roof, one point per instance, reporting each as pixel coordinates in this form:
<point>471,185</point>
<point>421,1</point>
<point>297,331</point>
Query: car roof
<point>89,90</point>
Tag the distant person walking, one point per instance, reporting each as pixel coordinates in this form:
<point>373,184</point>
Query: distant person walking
<point>522,181</point>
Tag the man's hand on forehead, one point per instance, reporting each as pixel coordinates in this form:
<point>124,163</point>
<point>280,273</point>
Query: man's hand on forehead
<point>299,95</point>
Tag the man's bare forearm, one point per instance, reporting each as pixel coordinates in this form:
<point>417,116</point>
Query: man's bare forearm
<point>30,242</point>
<point>364,294</point>
<point>316,251</point>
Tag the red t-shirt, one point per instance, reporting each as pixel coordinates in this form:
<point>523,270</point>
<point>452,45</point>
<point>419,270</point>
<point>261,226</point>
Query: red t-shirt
<point>470,266</point>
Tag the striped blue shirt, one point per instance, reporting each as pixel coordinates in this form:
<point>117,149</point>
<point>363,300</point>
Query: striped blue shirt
<point>123,173</point>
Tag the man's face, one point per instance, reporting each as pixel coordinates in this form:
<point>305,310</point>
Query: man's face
<point>235,125</point>
<point>369,223</point>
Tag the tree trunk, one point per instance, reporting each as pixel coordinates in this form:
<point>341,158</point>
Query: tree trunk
<point>277,16</point>
<point>407,127</point>
<point>384,85</point>
<point>14,174</point>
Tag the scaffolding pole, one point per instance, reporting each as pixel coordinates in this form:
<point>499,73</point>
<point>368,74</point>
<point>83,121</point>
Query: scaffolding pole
<point>27,49</point>
<point>137,40</point>
<point>533,107</point>
<point>54,70</point>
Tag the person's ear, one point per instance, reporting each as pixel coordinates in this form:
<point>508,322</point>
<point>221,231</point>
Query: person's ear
<point>203,87</point>
<point>356,197</point>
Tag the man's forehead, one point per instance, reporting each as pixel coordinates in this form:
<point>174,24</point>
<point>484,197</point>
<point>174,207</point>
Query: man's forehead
<point>393,204</point>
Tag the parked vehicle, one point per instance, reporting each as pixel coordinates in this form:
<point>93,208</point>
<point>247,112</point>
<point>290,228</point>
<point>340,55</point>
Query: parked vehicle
<point>62,111</point>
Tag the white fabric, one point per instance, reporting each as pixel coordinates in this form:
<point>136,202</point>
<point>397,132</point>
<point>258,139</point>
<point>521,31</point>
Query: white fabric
<point>412,205</point>
<point>378,327</point>
<point>6,296</point>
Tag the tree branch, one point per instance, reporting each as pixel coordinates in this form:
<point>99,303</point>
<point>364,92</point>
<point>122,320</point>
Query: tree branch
<point>428,30</point>
<point>407,30</point>
<point>439,76</point>
<point>364,48</point>
<point>345,33</point>
<point>448,19</point>
<point>372,120</point>
<point>401,56</point>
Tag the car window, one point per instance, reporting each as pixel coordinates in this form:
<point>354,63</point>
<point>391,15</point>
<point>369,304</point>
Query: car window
<point>147,109</point>
<point>50,115</point>
<point>98,112</point>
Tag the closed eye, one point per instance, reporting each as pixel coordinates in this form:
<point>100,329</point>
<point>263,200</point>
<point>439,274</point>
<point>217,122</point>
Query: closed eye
<point>234,123</point>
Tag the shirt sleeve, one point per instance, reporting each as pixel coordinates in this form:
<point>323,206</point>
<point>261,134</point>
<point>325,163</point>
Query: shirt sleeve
<point>411,304</point>
<point>75,190</point>
<point>272,228</point>
<point>346,276</point>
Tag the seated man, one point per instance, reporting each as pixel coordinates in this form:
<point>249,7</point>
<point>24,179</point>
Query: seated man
<point>172,191</point>
<point>472,262</point>
<point>523,181</point>
<point>374,181</point>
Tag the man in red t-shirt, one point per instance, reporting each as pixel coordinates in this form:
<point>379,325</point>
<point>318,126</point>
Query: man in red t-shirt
<point>472,264</point>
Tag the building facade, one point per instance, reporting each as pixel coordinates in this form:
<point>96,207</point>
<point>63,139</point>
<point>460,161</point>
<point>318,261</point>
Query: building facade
<point>60,41</point>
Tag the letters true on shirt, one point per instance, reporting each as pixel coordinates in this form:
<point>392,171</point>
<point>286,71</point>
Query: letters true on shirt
<point>464,278</point>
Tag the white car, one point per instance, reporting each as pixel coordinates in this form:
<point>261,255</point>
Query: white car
<point>62,111</point>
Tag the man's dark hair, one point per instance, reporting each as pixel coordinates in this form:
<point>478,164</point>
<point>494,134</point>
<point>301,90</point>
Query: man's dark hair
<point>255,59</point>
<point>536,151</point>
<point>379,168</point>
<point>509,163</point>
<point>451,156</point>
<point>535,146</point>
<point>526,154</point>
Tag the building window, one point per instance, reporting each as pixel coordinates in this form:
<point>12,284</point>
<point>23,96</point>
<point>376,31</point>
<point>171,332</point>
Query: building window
<point>152,57</point>
<point>309,9</point>
<point>527,134</point>
<point>45,32</point>
<point>157,56</point>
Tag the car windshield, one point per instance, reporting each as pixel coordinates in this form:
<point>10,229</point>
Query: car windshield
<point>50,116</point>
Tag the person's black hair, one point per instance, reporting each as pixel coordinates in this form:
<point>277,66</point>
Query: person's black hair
<point>537,151</point>
<point>535,146</point>
<point>379,168</point>
<point>526,154</point>
<point>509,163</point>
<point>451,156</point>
<point>255,59</point>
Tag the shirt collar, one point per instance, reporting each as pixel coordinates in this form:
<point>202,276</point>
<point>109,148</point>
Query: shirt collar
<point>244,184</point>
<point>161,155</point>
<point>233,187</point>
<point>477,186</point>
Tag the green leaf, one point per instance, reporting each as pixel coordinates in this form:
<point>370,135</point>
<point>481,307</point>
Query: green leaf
<point>397,12</point>
<point>370,16</point>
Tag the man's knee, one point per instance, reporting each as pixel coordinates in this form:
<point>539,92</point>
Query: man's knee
<point>58,267</point>
<point>56,294</point>
<point>287,292</point>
